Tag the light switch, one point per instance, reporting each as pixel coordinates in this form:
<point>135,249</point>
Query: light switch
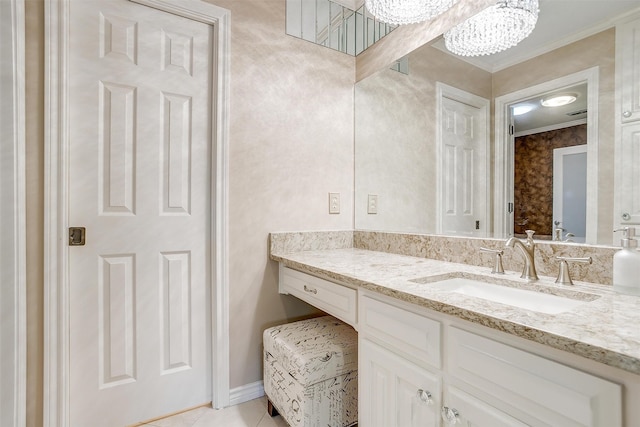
<point>334,203</point>
<point>372,204</point>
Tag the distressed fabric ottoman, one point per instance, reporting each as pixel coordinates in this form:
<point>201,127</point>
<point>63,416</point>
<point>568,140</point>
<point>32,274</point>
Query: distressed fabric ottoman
<point>311,372</point>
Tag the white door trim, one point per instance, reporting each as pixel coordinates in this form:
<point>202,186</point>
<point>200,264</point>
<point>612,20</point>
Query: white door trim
<point>504,147</point>
<point>445,91</point>
<point>56,303</point>
<point>13,332</point>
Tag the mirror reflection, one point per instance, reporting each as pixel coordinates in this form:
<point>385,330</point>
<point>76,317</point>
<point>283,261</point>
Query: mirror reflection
<point>410,177</point>
<point>550,164</point>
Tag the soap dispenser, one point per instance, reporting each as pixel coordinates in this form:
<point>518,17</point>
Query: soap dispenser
<point>626,264</point>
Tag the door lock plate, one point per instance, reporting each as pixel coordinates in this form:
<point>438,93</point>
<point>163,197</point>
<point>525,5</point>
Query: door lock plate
<point>77,236</point>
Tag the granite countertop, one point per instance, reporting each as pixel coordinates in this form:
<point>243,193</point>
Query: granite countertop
<point>606,328</point>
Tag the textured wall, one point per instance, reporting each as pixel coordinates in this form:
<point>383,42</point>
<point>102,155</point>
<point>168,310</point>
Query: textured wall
<point>291,143</point>
<point>395,139</point>
<point>533,176</point>
<point>597,50</point>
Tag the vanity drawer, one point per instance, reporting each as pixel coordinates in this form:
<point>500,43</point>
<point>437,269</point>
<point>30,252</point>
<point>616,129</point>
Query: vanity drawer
<point>402,330</point>
<point>547,392</point>
<point>332,298</point>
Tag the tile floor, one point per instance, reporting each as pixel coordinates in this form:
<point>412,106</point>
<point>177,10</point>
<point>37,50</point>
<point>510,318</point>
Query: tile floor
<point>249,414</point>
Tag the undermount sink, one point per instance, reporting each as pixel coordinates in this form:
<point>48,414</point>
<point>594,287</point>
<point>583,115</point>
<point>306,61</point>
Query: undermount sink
<point>527,296</point>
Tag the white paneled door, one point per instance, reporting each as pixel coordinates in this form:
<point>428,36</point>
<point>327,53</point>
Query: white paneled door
<point>463,192</point>
<point>140,93</point>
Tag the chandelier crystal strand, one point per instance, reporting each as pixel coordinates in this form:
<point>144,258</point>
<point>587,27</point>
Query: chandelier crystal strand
<point>493,30</point>
<point>400,12</point>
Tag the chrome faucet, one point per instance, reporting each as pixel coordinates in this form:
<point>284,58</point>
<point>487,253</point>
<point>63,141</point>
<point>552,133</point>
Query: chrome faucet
<point>528,253</point>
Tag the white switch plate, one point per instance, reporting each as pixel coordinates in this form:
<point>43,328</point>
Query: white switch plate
<point>372,204</point>
<point>334,203</point>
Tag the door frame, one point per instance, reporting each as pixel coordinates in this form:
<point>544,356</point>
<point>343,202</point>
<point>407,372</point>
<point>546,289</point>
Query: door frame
<point>56,257</point>
<point>445,91</point>
<point>13,332</point>
<point>504,147</point>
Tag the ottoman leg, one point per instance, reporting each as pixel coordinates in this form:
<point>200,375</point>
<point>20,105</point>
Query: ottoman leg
<point>271,410</point>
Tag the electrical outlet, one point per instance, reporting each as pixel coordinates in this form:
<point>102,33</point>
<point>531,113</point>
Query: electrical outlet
<point>372,204</point>
<point>334,203</point>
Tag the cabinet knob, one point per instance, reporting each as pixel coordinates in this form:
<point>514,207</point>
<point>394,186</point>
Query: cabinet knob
<point>425,396</point>
<point>450,415</point>
<point>310,290</point>
<point>626,114</point>
<point>626,216</point>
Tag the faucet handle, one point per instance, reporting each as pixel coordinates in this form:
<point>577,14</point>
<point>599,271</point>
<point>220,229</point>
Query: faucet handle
<point>564,278</point>
<point>530,234</point>
<point>497,267</point>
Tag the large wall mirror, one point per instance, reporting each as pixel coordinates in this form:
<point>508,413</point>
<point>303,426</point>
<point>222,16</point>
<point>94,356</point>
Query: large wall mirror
<point>436,151</point>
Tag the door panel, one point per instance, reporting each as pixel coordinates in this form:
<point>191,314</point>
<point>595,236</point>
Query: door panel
<point>628,184</point>
<point>394,392</point>
<point>464,182</point>
<point>140,107</point>
<point>570,192</point>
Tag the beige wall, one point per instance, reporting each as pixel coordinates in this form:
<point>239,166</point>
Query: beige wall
<point>291,143</point>
<point>597,50</point>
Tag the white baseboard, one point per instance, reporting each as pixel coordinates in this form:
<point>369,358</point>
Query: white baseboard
<point>245,393</point>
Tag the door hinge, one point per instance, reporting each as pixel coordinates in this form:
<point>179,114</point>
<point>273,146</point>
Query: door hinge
<point>512,130</point>
<point>77,236</point>
<point>510,207</point>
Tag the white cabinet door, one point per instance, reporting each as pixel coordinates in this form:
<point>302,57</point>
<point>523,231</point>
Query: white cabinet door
<point>627,156</point>
<point>627,184</point>
<point>544,392</point>
<point>462,409</point>
<point>394,392</point>
<point>628,69</point>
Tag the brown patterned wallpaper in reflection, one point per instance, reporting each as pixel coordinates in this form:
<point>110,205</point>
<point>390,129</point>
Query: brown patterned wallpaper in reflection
<point>533,177</point>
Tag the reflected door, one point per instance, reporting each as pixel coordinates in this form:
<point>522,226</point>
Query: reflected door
<point>140,95</point>
<point>570,192</point>
<point>463,178</point>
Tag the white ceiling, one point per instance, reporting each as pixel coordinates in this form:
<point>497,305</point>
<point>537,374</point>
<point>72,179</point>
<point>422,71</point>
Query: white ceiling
<point>541,119</point>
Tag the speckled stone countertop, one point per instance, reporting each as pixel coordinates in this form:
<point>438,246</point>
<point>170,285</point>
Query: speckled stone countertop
<point>605,328</point>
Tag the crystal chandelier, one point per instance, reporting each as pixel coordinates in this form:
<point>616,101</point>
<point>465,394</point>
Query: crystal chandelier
<point>495,29</point>
<point>401,12</point>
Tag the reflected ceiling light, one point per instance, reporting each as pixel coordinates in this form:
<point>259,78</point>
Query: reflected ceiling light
<point>401,12</point>
<point>522,109</point>
<point>558,100</point>
<point>493,30</point>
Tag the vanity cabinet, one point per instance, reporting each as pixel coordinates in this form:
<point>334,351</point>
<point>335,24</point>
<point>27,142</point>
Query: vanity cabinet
<point>486,382</point>
<point>419,367</point>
